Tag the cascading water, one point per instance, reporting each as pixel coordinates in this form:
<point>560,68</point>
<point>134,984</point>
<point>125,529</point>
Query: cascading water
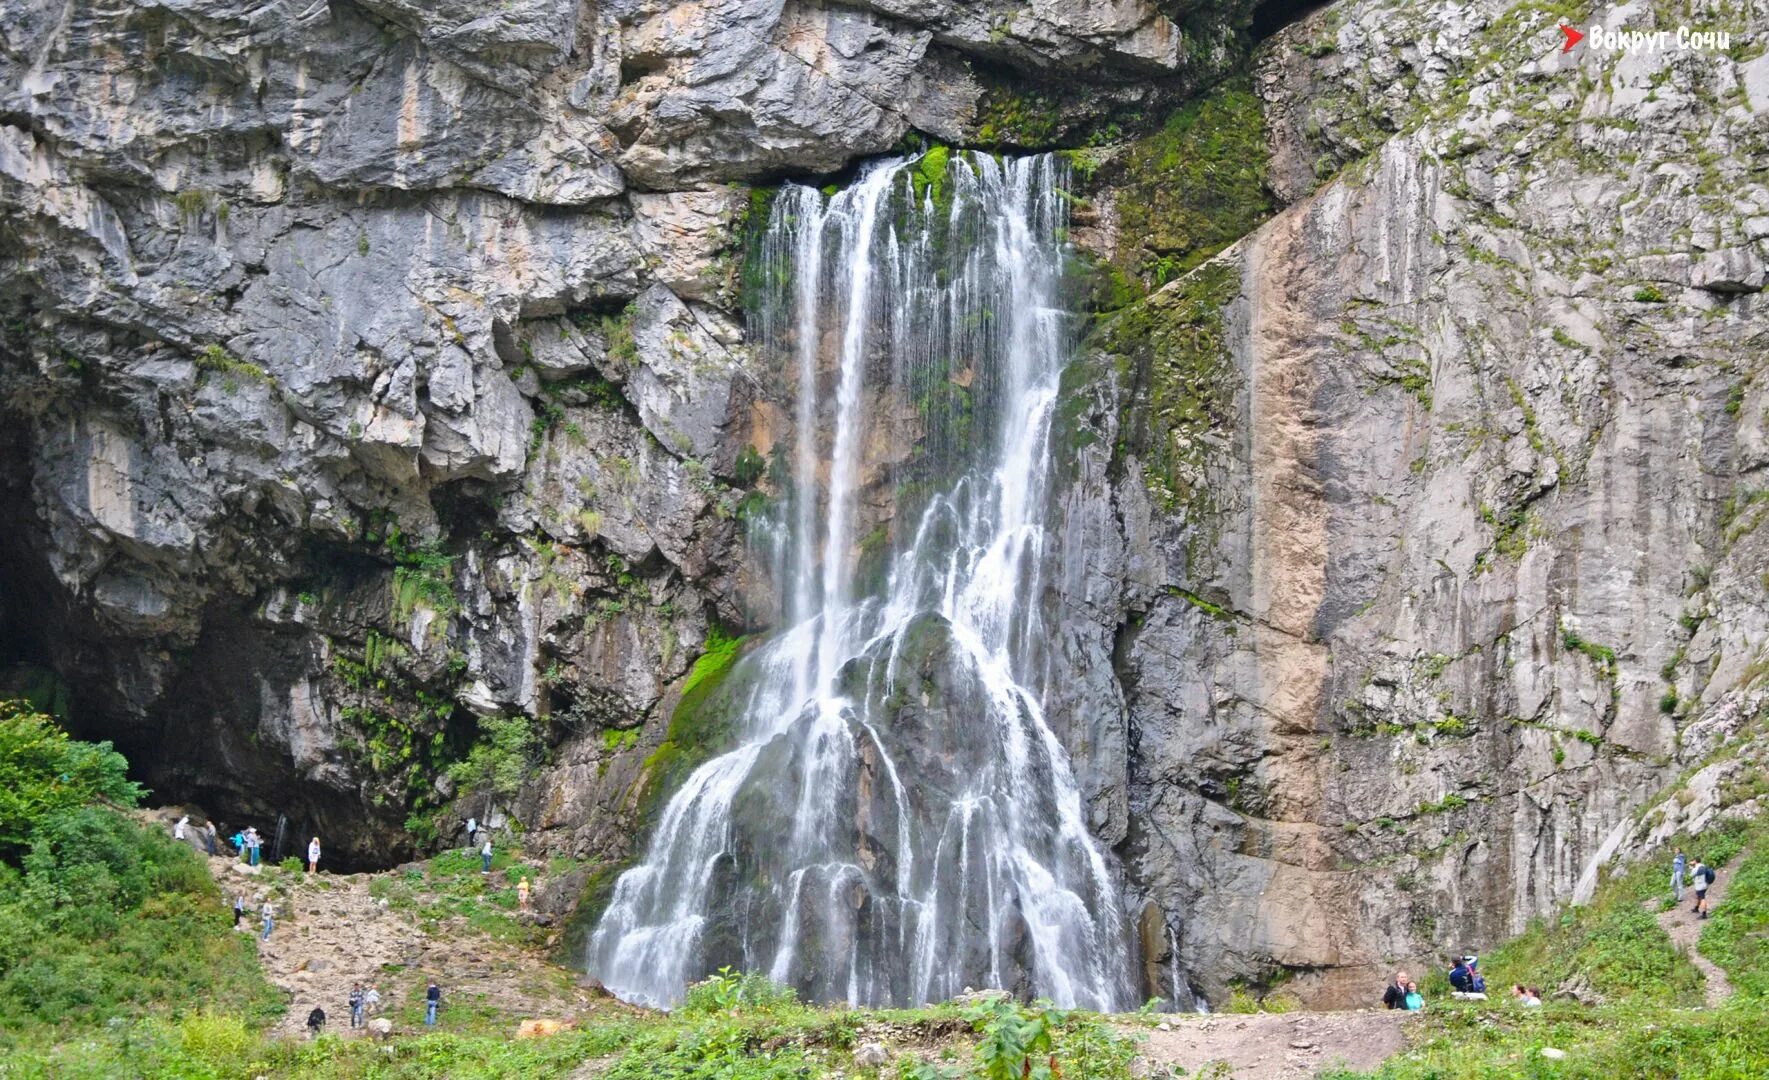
<point>897,820</point>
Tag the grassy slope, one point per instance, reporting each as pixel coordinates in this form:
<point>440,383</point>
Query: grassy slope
<point>1648,1025</point>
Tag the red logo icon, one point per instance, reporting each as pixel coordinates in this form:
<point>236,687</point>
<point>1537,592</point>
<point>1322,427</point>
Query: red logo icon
<point>1573,37</point>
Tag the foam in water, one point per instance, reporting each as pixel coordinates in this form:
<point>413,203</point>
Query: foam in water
<point>897,820</point>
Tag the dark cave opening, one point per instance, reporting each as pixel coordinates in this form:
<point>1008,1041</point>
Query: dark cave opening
<point>1270,16</point>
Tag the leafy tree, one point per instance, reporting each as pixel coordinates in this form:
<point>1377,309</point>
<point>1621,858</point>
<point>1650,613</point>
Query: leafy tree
<point>44,772</point>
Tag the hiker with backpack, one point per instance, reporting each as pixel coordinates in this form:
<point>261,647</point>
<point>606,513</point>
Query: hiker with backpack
<point>1703,880</point>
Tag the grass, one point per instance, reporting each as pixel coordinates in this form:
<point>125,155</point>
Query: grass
<point>1649,1025</point>
<point>1736,936</point>
<point>450,887</point>
<point>102,921</point>
<point>732,1027</point>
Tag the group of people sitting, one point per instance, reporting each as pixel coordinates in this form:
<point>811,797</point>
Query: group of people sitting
<point>1466,982</point>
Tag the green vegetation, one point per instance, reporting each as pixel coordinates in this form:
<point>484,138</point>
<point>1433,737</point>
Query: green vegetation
<point>1013,115</point>
<point>730,1027</point>
<point>44,773</point>
<point>1602,655</point>
<point>501,758</point>
<point>1172,347</point>
<point>422,574</point>
<point>231,369</point>
<point>1736,936</point>
<point>101,919</point>
<point>1195,186</point>
<point>450,887</point>
<point>1648,1024</point>
<point>696,724</point>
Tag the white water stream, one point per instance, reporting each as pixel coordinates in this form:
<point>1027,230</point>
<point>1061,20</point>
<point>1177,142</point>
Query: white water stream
<point>897,820</point>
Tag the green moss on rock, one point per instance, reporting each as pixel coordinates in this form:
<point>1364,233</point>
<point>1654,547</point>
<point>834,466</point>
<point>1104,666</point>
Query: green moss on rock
<point>697,726</point>
<point>1173,350</point>
<point>1192,188</point>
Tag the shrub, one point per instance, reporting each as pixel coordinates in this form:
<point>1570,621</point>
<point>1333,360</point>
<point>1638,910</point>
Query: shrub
<point>728,990</point>
<point>43,772</point>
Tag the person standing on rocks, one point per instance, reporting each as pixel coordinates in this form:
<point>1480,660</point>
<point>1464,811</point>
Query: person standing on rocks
<point>239,909</point>
<point>485,857</point>
<point>472,831</point>
<point>371,1000</point>
<point>210,838</point>
<point>1679,863</point>
<point>269,913</point>
<point>1395,997</point>
<point>432,999</point>
<point>313,855</point>
<point>178,829</point>
<point>356,1005</point>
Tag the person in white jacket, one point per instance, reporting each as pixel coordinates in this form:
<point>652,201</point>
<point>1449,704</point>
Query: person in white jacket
<point>313,855</point>
<point>178,829</point>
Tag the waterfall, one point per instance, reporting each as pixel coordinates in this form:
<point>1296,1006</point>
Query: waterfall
<point>897,820</point>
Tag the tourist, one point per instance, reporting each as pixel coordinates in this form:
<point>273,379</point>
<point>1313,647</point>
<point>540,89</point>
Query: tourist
<point>432,998</point>
<point>1703,881</point>
<point>178,829</point>
<point>356,1005</point>
<point>313,855</point>
<point>315,1021</point>
<point>238,840</point>
<point>210,838</point>
<point>472,832</point>
<point>371,1000</point>
<point>239,909</point>
<point>485,857</point>
<point>1476,981</point>
<point>253,844</point>
<point>1395,997</point>
<point>1532,996</point>
<point>522,891</point>
<point>1679,863</point>
<point>1461,978</point>
<point>1414,1001</point>
<point>269,914</point>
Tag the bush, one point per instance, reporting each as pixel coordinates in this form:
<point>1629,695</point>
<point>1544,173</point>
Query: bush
<point>43,771</point>
<point>729,990</point>
<point>102,918</point>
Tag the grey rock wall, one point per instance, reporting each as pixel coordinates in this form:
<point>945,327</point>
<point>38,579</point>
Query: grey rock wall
<point>1464,566</point>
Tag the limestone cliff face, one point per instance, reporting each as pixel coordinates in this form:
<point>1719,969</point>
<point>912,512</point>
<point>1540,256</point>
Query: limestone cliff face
<point>375,371</point>
<point>1425,518</point>
<point>372,372</point>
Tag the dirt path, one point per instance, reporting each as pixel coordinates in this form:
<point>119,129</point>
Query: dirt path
<point>331,932</point>
<point>1278,1046</point>
<point>1684,928</point>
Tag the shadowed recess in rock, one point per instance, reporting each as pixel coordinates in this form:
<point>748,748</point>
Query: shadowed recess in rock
<point>897,820</point>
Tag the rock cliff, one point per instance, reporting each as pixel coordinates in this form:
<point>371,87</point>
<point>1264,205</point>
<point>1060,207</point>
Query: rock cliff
<point>378,408</point>
<point>1420,526</point>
